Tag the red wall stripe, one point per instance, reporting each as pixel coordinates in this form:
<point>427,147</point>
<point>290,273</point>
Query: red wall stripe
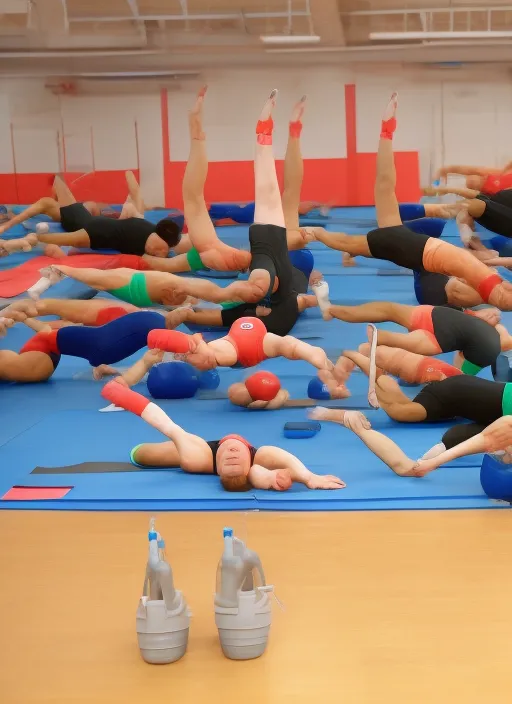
<point>166,146</point>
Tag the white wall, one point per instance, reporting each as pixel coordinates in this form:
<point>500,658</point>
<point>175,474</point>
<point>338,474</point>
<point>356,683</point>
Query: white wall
<point>448,116</point>
<point>235,99</point>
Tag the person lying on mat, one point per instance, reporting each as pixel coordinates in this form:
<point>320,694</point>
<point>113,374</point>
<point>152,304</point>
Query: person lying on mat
<point>274,285</point>
<point>131,234</point>
<point>432,329</point>
<point>239,465</point>
<point>460,442</point>
<point>114,336</point>
<point>407,366</point>
<point>147,288</point>
<point>247,344</point>
<point>458,396</point>
<point>394,242</point>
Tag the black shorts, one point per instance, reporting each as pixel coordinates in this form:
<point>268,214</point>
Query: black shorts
<point>398,244</point>
<point>269,250</point>
<point>459,433</point>
<point>503,197</point>
<point>430,288</point>
<point>478,341</point>
<point>497,217</point>
<point>75,217</point>
<point>279,321</point>
<point>300,282</point>
<point>463,396</point>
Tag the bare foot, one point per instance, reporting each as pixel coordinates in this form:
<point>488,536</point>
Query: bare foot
<point>27,307</point>
<point>195,116</point>
<point>490,315</point>
<point>5,324</point>
<point>54,251</point>
<point>298,110</point>
<point>270,104</point>
<point>176,317</point>
<point>321,413</point>
<point>348,260</point>
<point>343,368</point>
<point>103,370</point>
<point>447,211</point>
<point>315,277</point>
<point>336,388</point>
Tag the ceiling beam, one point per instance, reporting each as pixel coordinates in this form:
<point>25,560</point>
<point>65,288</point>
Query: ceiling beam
<point>49,17</point>
<point>326,21</point>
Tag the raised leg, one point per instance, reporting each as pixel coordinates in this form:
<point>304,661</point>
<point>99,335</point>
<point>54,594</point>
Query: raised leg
<point>81,312</point>
<point>268,205</point>
<point>63,194</point>
<point>386,204</point>
<point>135,193</point>
<point>194,453</point>
<point>293,176</point>
<point>418,341</point>
<point>375,312</point>
<point>46,206</point>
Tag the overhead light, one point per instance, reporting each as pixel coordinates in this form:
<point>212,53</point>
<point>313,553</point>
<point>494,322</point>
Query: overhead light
<point>391,36</point>
<point>290,39</point>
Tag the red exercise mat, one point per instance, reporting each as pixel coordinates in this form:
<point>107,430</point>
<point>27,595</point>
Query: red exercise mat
<point>36,493</point>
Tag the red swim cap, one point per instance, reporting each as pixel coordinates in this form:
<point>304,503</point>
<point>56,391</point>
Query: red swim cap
<point>263,386</point>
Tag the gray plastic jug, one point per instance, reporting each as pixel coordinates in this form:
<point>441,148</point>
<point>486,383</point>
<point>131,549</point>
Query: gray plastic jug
<point>242,605</point>
<point>163,617</point>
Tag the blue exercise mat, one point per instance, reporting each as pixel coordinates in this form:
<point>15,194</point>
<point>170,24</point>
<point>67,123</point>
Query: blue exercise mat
<point>58,423</point>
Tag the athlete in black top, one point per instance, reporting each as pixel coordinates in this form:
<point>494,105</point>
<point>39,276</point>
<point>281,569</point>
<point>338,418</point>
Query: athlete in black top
<point>126,235</point>
<point>214,446</point>
<point>269,251</point>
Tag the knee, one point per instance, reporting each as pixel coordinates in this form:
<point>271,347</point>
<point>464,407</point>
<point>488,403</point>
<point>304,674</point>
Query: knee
<point>47,202</point>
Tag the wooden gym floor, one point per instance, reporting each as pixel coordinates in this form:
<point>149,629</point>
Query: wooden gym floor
<point>380,607</point>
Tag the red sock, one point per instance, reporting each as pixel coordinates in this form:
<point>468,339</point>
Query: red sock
<point>388,128</point>
<point>169,341</point>
<point>295,128</point>
<point>264,130</point>
<point>125,398</point>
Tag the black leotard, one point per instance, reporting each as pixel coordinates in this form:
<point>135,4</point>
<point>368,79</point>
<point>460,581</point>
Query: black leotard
<point>128,236</point>
<point>269,251</point>
<point>497,216</point>
<point>214,446</point>
<point>478,341</point>
<point>470,397</point>
<point>398,244</point>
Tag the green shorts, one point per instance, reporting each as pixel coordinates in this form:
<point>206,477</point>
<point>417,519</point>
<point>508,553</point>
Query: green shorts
<point>194,260</point>
<point>506,400</point>
<point>227,305</point>
<point>136,292</point>
<point>470,368</point>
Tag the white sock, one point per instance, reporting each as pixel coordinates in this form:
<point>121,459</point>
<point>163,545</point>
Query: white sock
<point>321,291</point>
<point>372,376</point>
<point>42,228</point>
<point>111,409</point>
<point>38,288</point>
<point>434,451</point>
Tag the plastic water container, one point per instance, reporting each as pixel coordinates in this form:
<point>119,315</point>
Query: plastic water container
<point>242,605</point>
<point>163,617</point>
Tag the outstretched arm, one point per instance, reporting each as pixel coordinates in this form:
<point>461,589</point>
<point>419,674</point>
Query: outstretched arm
<point>275,457</point>
<point>382,446</point>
